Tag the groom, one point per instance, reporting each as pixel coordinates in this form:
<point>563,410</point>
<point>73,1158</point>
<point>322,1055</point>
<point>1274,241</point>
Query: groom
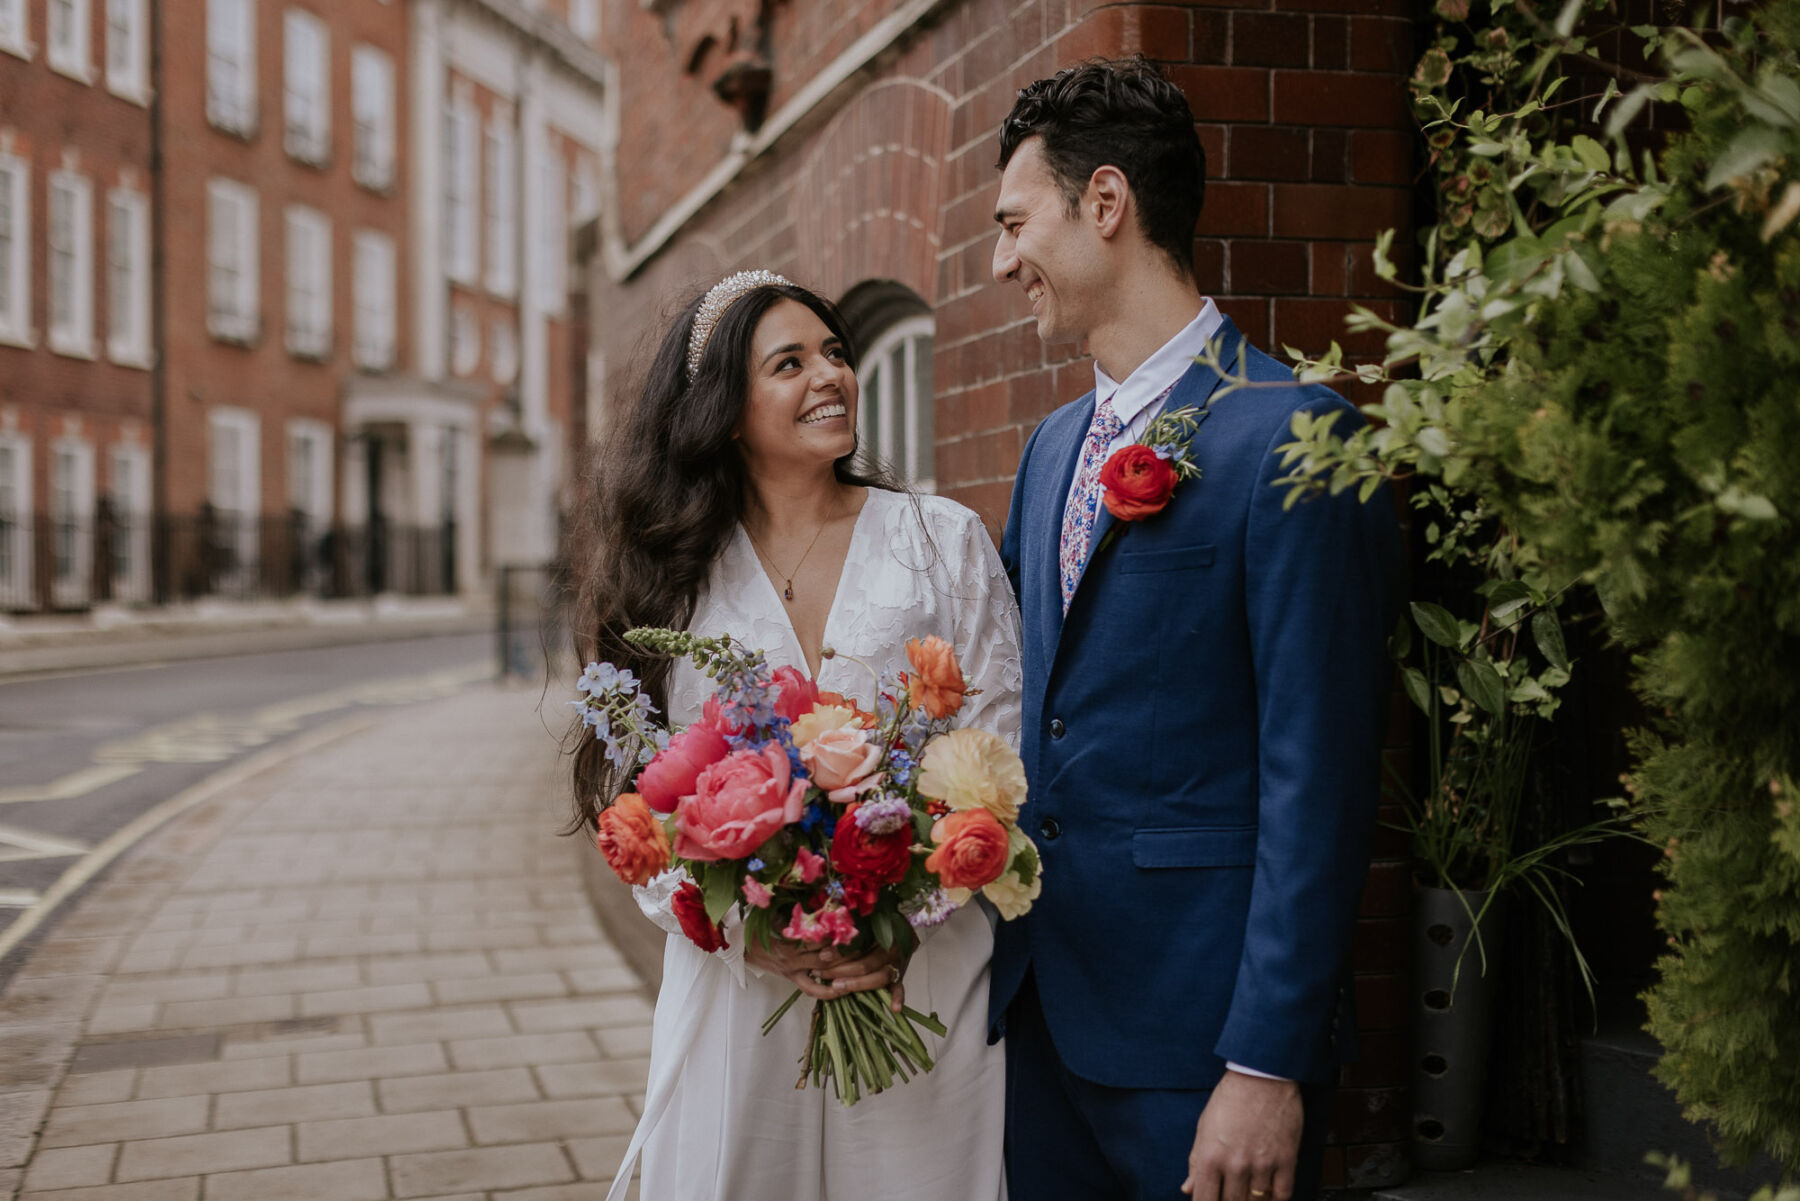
<point>1205,694</point>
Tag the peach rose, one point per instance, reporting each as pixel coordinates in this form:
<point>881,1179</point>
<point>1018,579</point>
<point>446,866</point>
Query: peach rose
<point>936,680</point>
<point>842,762</point>
<point>974,769</point>
<point>972,849</point>
<point>822,718</point>
<point>737,804</point>
<point>632,840</point>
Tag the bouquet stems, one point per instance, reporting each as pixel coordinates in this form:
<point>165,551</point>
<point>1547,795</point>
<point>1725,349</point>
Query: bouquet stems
<point>859,1044</point>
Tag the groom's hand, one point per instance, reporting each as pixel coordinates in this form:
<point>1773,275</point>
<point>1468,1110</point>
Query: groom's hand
<point>1247,1142</point>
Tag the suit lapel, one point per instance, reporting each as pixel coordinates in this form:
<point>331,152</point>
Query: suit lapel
<point>1052,499</point>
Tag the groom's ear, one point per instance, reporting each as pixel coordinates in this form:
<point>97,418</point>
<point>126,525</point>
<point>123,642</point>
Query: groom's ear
<point>1107,202</point>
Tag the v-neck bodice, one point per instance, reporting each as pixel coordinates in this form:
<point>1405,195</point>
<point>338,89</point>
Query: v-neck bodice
<point>916,565</point>
<point>742,546</point>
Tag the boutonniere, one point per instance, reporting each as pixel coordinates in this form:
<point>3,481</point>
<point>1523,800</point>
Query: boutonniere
<point>1139,480</point>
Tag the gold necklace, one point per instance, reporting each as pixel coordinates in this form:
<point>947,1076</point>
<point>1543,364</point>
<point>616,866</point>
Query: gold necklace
<point>787,593</point>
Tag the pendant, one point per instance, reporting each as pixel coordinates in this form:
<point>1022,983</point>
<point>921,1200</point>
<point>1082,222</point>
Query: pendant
<point>788,593</point>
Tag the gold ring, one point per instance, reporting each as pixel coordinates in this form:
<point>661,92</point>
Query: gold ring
<point>893,974</point>
<point>1259,1192</point>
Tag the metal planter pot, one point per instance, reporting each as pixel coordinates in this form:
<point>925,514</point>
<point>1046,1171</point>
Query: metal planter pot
<point>1453,1024</point>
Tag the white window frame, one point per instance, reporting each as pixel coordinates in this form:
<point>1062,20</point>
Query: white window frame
<point>241,430</point>
<point>128,490</point>
<point>71,522</point>
<point>231,65</point>
<point>309,483</point>
<point>128,277</point>
<point>16,541</point>
<point>306,86</point>
<point>894,412</point>
<point>375,282</point>
<point>501,170</point>
<point>71,241</point>
<point>584,19</point>
<point>71,53</point>
<point>503,350</point>
<point>372,113</point>
<point>553,233</point>
<point>309,308</point>
<point>15,28</point>
<point>462,178</point>
<point>15,245</point>
<point>233,247</point>
<point>465,339</point>
<point>128,50</point>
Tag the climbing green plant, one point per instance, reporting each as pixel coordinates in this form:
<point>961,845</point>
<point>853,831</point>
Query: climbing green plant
<point>1599,389</point>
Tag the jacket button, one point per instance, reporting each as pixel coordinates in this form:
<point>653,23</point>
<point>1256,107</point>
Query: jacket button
<point>1057,729</point>
<point>1050,829</point>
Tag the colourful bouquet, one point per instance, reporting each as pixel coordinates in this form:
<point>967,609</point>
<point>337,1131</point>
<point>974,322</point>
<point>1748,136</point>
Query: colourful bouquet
<point>802,816</point>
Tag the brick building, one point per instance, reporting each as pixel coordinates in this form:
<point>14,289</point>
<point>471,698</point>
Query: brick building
<point>76,346</point>
<point>851,146</point>
<point>325,346</point>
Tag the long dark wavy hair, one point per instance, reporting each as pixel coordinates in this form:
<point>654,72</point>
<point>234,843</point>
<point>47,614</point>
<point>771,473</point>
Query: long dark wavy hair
<point>661,498</point>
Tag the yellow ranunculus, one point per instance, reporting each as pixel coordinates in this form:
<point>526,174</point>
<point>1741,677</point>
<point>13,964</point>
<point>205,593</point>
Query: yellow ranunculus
<point>1011,897</point>
<point>970,769</point>
<point>809,726</point>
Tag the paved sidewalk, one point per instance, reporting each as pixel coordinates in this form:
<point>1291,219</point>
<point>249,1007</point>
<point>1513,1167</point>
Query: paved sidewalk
<point>368,972</point>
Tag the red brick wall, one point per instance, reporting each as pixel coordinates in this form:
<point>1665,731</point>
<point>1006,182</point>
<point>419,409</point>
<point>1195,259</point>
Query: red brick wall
<point>1301,107</point>
<point>264,377</point>
<point>51,120</point>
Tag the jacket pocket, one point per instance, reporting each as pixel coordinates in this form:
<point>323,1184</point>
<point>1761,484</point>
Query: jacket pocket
<point>1195,846</point>
<point>1174,558</point>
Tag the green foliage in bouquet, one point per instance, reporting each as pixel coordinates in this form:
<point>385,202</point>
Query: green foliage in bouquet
<point>1603,370</point>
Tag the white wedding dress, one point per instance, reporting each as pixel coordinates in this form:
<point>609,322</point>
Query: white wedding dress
<point>722,1118</point>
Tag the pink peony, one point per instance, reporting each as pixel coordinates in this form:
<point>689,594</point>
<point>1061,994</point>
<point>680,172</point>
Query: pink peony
<point>757,893</point>
<point>672,774</point>
<point>713,717</point>
<point>796,693</point>
<point>842,762</point>
<point>832,923</point>
<point>737,804</point>
<point>808,865</point>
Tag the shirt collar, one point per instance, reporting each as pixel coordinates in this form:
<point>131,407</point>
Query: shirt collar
<point>1158,373</point>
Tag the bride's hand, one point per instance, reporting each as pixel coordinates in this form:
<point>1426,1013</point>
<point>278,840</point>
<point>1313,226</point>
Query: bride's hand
<point>824,974</point>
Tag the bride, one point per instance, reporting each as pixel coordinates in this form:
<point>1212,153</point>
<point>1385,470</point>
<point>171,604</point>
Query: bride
<point>725,503</point>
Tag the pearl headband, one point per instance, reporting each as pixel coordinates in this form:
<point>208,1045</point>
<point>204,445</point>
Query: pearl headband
<point>724,294</point>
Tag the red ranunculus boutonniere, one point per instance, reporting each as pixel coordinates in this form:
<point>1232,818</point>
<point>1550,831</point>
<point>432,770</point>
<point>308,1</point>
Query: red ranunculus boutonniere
<point>1140,479</point>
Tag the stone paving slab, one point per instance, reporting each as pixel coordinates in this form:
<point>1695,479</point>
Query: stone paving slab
<point>369,972</point>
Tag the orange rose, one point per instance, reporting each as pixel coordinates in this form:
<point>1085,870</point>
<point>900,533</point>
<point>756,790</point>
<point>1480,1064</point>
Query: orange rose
<point>973,849</point>
<point>631,838</point>
<point>937,679</point>
<point>1138,483</point>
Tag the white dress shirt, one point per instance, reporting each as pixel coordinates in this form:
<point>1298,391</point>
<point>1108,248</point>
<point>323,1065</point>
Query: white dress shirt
<point>1138,400</point>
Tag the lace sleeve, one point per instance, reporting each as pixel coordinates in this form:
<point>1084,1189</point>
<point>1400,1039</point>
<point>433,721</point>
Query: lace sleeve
<point>987,636</point>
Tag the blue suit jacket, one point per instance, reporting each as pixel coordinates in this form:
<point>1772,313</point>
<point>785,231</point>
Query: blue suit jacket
<point>1202,738</point>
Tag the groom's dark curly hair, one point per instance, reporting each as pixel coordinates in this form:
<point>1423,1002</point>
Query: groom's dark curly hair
<point>1120,113</point>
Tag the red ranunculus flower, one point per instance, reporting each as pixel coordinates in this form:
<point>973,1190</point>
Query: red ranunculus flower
<point>795,693</point>
<point>690,911</point>
<point>876,858</point>
<point>672,774</point>
<point>1138,483</point>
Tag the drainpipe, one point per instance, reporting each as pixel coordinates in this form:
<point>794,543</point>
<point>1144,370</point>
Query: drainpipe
<point>161,569</point>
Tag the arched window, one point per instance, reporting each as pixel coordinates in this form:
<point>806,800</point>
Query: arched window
<point>894,420</point>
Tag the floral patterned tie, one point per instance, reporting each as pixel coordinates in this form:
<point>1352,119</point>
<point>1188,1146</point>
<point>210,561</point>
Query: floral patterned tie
<point>1084,501</point>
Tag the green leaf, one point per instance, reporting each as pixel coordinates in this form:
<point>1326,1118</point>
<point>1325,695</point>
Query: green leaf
<point>1437,624</point>
<point>1547,633</point>
<point>1515,259</point>
<point>1481,683</point>
<point>883,923</point>
<point>1413,680</point>
<point>720,888</point>
<point>1400,641</point>
<point>1592,154</point>
<point>1565,20</point>
<point>1750,149</point>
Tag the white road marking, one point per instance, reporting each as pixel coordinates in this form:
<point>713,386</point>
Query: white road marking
<point>16,844</point>
<point>75,784</point>
<point>17,898</point>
